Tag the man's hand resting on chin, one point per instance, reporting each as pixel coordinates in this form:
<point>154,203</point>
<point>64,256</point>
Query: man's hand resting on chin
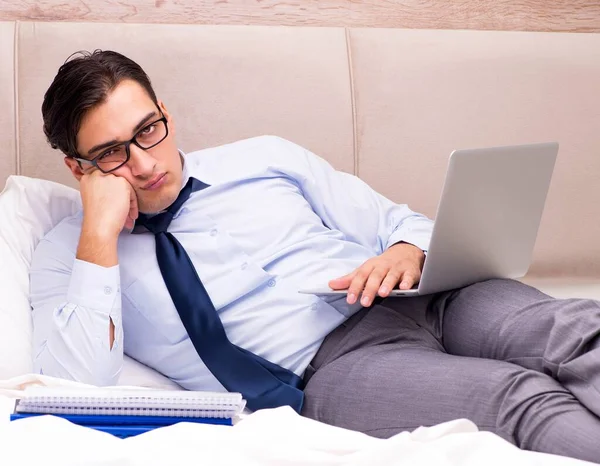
<point>402,263</point>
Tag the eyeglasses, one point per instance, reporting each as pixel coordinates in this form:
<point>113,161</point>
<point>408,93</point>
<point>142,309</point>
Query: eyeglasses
<point>118,155</point>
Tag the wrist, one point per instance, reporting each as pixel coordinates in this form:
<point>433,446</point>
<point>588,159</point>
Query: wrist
<point>98,246</point>
<point>99,230</point>
<point>410,249</point>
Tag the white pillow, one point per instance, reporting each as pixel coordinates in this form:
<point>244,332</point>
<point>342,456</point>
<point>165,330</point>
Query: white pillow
<point>29,208</point>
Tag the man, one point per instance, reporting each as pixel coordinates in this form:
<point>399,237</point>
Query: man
<point>192,263</point>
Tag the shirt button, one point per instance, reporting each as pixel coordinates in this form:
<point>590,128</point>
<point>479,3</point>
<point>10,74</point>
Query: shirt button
<point>244,265</point>
<point>271,283</point>
<point>107,290</point>
<point>213,232</point>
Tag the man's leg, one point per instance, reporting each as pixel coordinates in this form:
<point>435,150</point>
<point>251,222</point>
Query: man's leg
<point>509,321</point>
<point>383,373</point>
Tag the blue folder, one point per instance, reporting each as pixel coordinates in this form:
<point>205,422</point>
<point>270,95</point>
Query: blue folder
<point>125,426</point>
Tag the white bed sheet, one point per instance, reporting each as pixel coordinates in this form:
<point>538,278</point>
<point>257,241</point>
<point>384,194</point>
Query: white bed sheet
<point>277,437</point>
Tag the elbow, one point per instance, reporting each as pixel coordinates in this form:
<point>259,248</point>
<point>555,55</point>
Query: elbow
<point>102,371</point>
<point>103,376</point>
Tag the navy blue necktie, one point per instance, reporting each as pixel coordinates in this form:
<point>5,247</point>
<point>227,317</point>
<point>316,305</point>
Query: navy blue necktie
<point>262,383</point>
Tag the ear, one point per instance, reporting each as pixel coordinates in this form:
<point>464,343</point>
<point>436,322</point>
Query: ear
<point>168,116</point>
<point>75,168</point>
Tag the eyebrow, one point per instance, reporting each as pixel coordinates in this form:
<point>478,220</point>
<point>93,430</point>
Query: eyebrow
<point>137,127</point>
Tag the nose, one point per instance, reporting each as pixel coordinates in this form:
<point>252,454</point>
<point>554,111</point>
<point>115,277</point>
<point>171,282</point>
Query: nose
<point>141,163</point>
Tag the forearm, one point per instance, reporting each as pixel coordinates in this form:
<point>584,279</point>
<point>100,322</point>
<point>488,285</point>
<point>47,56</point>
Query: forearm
<point>346,203</point>
<point>99,248</point>
<point>72,311</point>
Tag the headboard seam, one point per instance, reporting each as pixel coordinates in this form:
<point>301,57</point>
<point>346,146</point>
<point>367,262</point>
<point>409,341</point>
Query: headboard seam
<point>352,101</point>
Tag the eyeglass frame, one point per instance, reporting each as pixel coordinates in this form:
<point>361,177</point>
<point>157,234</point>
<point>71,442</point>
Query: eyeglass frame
<point>126,144</point>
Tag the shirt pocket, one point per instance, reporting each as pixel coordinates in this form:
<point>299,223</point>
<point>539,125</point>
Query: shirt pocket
<point>240,280</point>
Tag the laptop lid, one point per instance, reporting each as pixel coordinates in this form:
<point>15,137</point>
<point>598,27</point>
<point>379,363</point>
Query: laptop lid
<point>489,214</point>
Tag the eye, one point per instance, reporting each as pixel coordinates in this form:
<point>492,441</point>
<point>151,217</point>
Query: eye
<point>107,153</point>
<point>148,129</point>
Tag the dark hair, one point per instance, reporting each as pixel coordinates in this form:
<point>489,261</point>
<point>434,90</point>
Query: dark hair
<point>83,82</point>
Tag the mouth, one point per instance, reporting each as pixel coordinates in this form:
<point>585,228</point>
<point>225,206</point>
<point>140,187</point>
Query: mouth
<point>155,182</point>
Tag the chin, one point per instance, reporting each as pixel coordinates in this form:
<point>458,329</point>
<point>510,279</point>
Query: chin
<point>154,206</point>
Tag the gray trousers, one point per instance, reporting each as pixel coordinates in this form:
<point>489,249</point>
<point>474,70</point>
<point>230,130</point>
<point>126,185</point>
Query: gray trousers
<point>502,354</point>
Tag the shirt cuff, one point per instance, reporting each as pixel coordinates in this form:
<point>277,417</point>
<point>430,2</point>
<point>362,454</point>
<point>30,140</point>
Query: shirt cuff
<point>420,239</point>
<point>94,287</point>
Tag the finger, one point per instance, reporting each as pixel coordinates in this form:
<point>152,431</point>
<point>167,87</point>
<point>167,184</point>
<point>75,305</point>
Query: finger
<point>372,286</point>
<point>133,213</point>
<point>342,283</point>
<point>93,171</point>
<point>409,278</point>
<point>133,205</point>
<point>358,282</point>
<point>129,223</point>
<point>388,284</point>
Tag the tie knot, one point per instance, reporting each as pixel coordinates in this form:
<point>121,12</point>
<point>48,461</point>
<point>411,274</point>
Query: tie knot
<point>160,222</point>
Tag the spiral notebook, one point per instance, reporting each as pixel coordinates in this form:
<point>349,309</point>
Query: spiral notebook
<point>130,402</point>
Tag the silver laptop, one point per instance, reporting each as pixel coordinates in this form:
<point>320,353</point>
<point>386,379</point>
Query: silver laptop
<point>488,217</point>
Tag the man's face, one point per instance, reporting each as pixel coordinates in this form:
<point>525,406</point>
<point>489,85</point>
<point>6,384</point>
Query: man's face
<point>156,173</point>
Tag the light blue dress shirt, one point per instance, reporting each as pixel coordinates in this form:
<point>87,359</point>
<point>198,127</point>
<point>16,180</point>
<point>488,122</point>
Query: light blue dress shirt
<point>276,218</point>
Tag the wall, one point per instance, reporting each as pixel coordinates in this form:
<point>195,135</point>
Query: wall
<point>510,15</point>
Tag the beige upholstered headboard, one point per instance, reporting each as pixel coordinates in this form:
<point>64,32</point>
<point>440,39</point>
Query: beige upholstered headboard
<point>386,104</point>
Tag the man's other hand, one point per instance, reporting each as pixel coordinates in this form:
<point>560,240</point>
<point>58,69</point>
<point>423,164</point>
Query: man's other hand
<point>400,264</point>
